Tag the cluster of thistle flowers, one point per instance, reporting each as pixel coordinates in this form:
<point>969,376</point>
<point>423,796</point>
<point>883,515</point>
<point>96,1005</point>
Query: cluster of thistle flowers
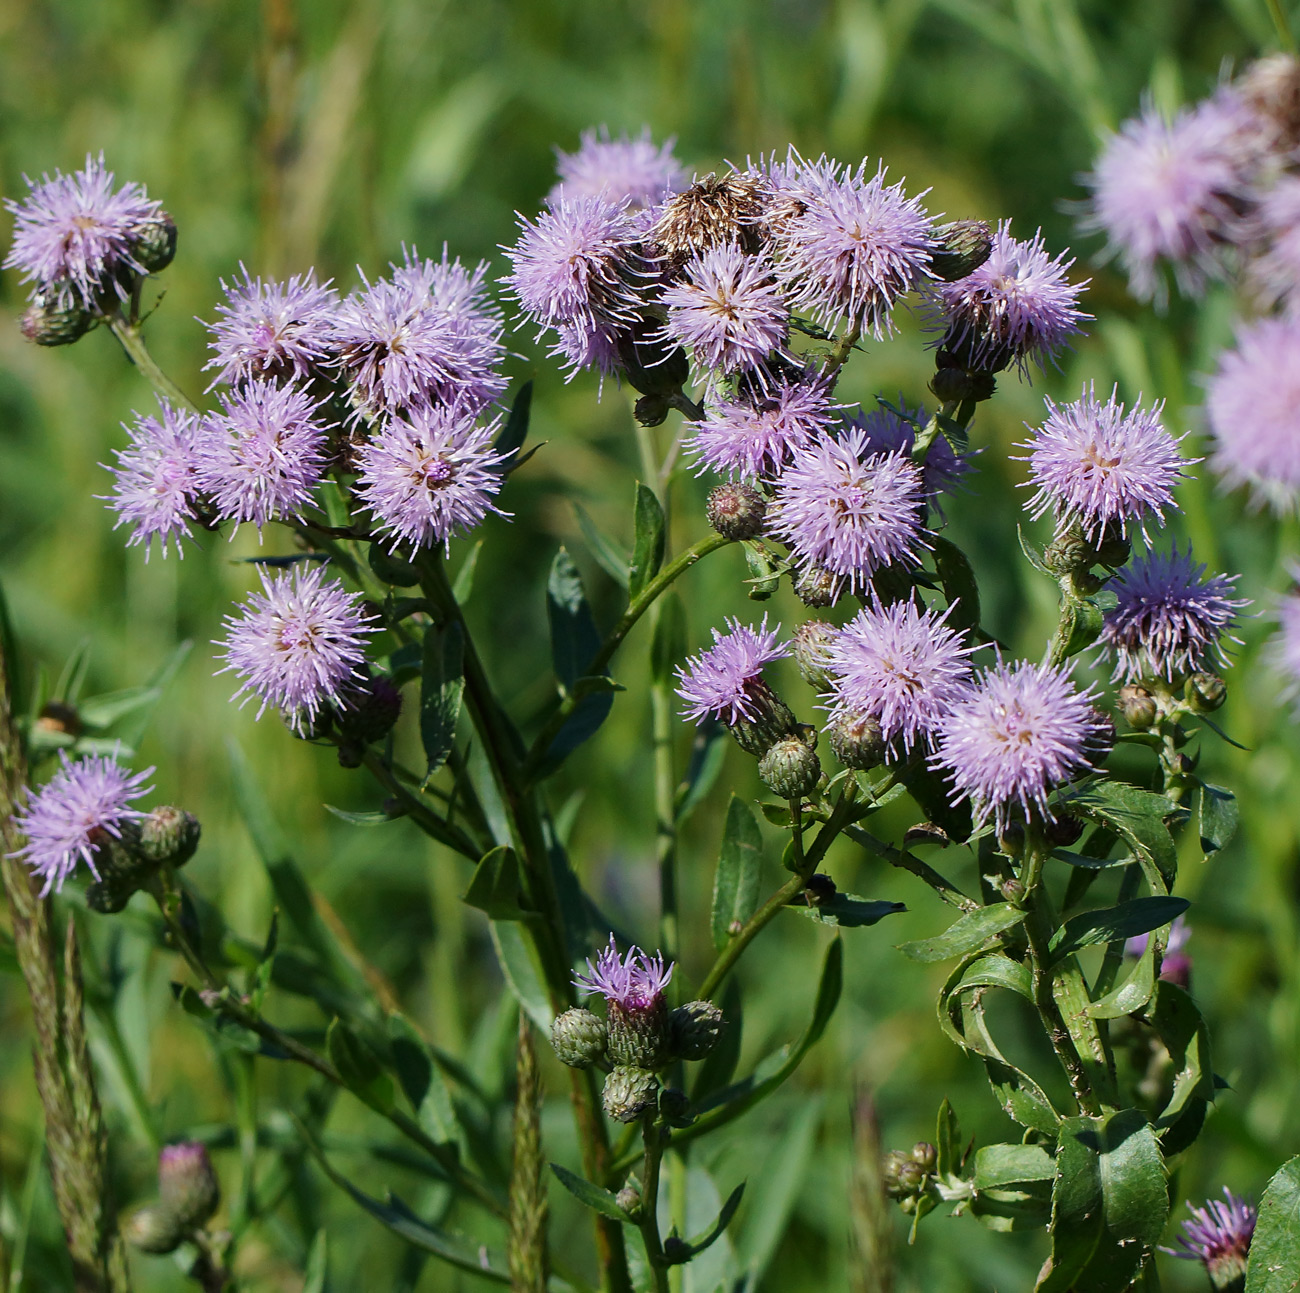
<point>639,1036</point>
<point>188,1197</point>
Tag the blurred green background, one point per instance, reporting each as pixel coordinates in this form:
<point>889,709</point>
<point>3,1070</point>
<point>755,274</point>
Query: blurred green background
<point>291,134</point>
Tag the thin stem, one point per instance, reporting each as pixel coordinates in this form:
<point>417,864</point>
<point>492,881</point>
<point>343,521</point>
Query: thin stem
<point>1284,33</point>
<point>649,1212</point>
<point>904,860</point>
<point>841,351</point>
<point>131,340</point>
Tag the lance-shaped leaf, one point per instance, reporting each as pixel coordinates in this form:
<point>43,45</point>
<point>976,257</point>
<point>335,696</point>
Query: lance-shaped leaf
<point>610,556</point>
<point>966,934</point>
<point>424,1086</point>
<point>442,683</point>
<point>1137,817</point>
<point>494,888</point>
<point>647,543</point>
<point>708,751</point>
<point>959,586</point>
<point>590,1195</point>
<point>512,436</point>
<point>1275,1248</point>
<point>735,882</point>
<point>1128,997</point>
<point>1216,816</point>
<point>705,1239</point>
<point>359,1068</point>
<point>846,910</point>
<point>1115,924</point>
<point>1178,1023</point>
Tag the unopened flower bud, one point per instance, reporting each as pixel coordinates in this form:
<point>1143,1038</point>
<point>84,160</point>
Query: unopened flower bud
<point>652,365</point>
<point>629,1199</point>
<point>676,1250</point>
<point>790,769</point>
<point>169,835</point>
<point>1013,891</point>
<point>155,243</point>
<point>154,1230</point>
<point>924,1155</point>
<point>122,870</point>
<point>856,740</point>
<point>675,1106</point>
<point>736,510</point>
<point>811,640</point>
<point>580,1038</point>
<point>638,1033</point>
<point>652,410</point>
<point>48,321</point>
<point>1137,705</point>
<point>1069,553</point>
<point>817,587</point>
<point>959,384</point>
<point>773,720</point>
<point>1114,549</point>
<point>1063,831</point>
<point>960,249</point>
<point>59,716</point>
<point>1205,692</point>
<point>628,1093</point>
<point>899,1174</point>
<point>1011,839</point>
<point>187,1185</point>
<point>371,711</point>
<point>694,1029</point>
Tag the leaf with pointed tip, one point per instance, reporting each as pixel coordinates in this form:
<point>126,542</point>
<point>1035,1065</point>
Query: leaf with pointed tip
<point>968,933</point>
<point>512,436</point>
<point>358,1067</point>
<point>1274,1265</point>
<point>735,882</point>
<point>698,1243</point>
<point>494,888</point>
<point>648,541</point>
<point>846,910</point>
<point>1216,816</point>
<point>589,1195</point>
<point>442,685</point>
<point>1114,924</point>
<point>610,557</point>
<point>1133,994</point>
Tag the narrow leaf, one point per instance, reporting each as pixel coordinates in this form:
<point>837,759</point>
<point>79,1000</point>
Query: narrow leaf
<point>1216,816</point>
<point>590,1195</point>
<point>735,882</point>
<point>698,1243</point>
<point>610,557</point>
<point>442,683</point>
<point>1003,1165</point>
<point>515,431</point>
<point>1130,996</point>
<point>358,1067</point>
<point>967,934</point>
<point>494,888</point>
<point>1114,924</point>
<point>847,910</point>
<point>648,541</point>
<point>959,584</point>
<point>1275,1249</point>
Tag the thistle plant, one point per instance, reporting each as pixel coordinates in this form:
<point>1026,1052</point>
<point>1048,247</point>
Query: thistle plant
<point>366,435</point>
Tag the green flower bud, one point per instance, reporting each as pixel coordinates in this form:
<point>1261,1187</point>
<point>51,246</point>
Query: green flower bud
<point>187,1185</point>
<point>958,384</point>
<point>638,1036</point>
<point>1205,692</point>
<point>736,510</point>
<point>579,1038</point>
<point>694,1029</point>
<point>370,712</point>
<point>962,247</point>
<point>790,769</point>
<point>122,870</point>
<point>50,322</point>
<point>629,1199</point>
<point>891,1167</point>
<point>651,364</point>
<point>925,1155</point>
<point>155,243</point>
<point>775,720</point>
<point>169,835</point>
<point>154,1230</point>
<point>1069,553</point>
<point>816,587</point>
<point>675,1106</point>
<point>811,640</point>
<point>652,410</point>
<point>856,740</point>
<point>628,1093</point>
<point>1114,550</point>
<point>1137,705</point>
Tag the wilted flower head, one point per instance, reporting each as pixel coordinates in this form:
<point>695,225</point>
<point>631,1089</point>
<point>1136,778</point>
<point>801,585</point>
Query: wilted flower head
<point>270,329</point>
<point>1169,619</point>
<point>726,681</point>
<point>73,233</point>
<point>727,309</point>
<point>73,814</point>
<point>1102,467</point>
<point>755,437</point>
<point>637,170</point>
<point>902,665</point>
<point>1021,730</point>
<point>1218,1236</point>
<point>1017,306</point>
<point>263,454</point>
<point>848,510</point>
<point>1164,191</point>
<point>430,475</point>
<point>887,431</point>
<point>858,246</point>
<point>299,643</point>
<point>634,982</point>
<point>1253,408</point>
<point>154,481</point>
<point>714,211</point>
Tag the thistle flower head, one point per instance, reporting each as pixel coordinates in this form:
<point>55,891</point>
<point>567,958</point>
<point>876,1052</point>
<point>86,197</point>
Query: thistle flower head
<point>1020,730</point>
<point>73,233</point>
<point>885,431</point>
<point>299,644</point>
<point>1169,620</point>
<point>74,813</point>
<point>1218,1236</point>
<point>713,211</point>
<point>1275,273</point>
<point>1284,646</point>
<point>635,982</point>
<point>902,665</point>
<point>849,511</point>
<point>270,329</point>
<point>638,170</point>
<point>430,475</point>
<point>726,681</point>
<point>155,481</point>
<point>1101,466</point>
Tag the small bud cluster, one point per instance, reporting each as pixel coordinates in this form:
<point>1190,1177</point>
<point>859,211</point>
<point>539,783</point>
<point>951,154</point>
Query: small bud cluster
<point>907,1175</point>
<point>188,1196</point>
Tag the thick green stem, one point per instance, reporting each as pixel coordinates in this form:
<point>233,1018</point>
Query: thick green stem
<point>649,1213</point>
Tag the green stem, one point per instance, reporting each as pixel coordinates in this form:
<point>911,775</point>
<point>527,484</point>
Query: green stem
<point>649,1212</point>
<point>841,351</point>
<point>131,340</point>
<point>1284,33</point>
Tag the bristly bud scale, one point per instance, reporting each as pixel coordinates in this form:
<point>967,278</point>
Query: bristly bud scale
<point>857,740</point>
<point>1205,692</point>
<point>637,1012</point>
<point>736,510</point>
<point>694,1029</point>
<point>628,1093</point>
<point>811,642</point>
<point>579,1037</point>
<point>1137,705</point>
<point>154,1230</point>
<point>790,768</point>
<point>960,249</point>
<point>169,835</point>
<point>51,320</point>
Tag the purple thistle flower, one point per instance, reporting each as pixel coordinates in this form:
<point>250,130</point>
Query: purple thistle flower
<point>1276,225</point>
<point>73,813</point>
<point>1102,467</point>
<point>725,680</point>
<point>635,170</point>
<point>757,437</point>
<point>1218,1236</point>
<point>857,247</point>
<point>902,665</point>
<point>1253,408</point>
<point>73,233</point>
<point>430,475</point>
<point>263,454</point>
<point>1169,620</point>
<point>154,481</point>
<point>1175,964</point>
<point>270,329</point>
<point>884,431</point>
<point>1018,305</point>
<point>586,345</point>
<point>635,982</point>
<point>299,643</point>
<point>1021,730</point>
<point>1166,191</point>
<point>1284,647</point>
<point>728,309</point>
<point>849,511</point>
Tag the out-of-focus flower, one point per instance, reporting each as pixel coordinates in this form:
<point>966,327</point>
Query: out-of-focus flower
<point>1175,964</point>
<point>885,431</point>
<point>1284,647</point>
<point>154,481</point>
<point>1275,272</point>
<point>726,681</point>
<point>1218,1236</point>
<point>638,170</point>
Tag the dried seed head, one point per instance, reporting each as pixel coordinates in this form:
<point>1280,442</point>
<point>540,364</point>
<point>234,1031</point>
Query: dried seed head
<point>714,210</point>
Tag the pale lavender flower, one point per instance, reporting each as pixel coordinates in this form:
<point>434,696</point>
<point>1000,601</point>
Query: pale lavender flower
<point>1284,647</point>
<point>1021,730</point>
<point>299,644</point>
<point>634,983</point>
<point>757,436</point>
<point>728,309</point>
<point>586,345</point>
<point>1102,467</point>
<point>1275,272</point>
<point>858,246</point>
<point>271,329</point>
<point>263,454</point>
<point>430,475</point>
<point>1218,1236</point>
<point>726,681</point>
<point>73,233</point>
<point>848,510</point>
<point>74,813</point>
<point>1169,619</point>
<point>1175,964</point>
<point>1017,306</point>
<point>637,170</point>
<point>1253,408</point>
<point>885,431</point>
<point>1169,190</point>
<point>902,665</point>
<point>155,482</point>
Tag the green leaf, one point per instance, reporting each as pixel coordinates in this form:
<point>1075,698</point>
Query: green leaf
<point>591,1196</point>
<point>1178,1023</point>
<point>947,1140</point>
<point>515,431</point>
<point>735,882</point>
<point>391,569</point>
<point>316,1271</point>
<point>959,586</point>
<point>423,1084</point>
<point>934,797</point>
<point>495,886</point>
<point>223,1029</point>
<point>1216,816</point>
<point>574,643</point>
<point>1109,1203</point>
<point>648,541</point>
<point>1003,1165</point>
<point>1275,1249</point>
<point>1114,924</point>
<point>997,971</point>
<point>1032,551</point>
<point>847,910</point>
<point>698,1243</point>
<point>361,819</point>
<point>136,703</point>
<point>668,645</point>
<point>261,977</point>
<point>708,750</point>
<point>1013,1186</point>
<point>1137,817</point>
<point>442,683</point>
<point>358,1067</point>
<point>463,585</point>
<point>521,972</point>
<point>966,934</point>
<point>1084,619</point>
<point>1129,997</point>
<point>610,557</point>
